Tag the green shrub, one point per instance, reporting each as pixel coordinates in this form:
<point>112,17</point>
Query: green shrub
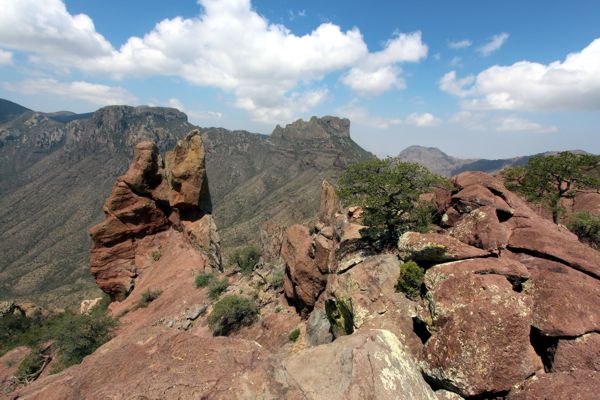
<point>101,308</point>
<point>294,335</point>
<point>587,227</point>
<point>246,259</point>
<point>79,336</point>
<point>410,279</point>
<point>148,297</point>
<point>340,314</point>
<point>217,287</point>
<point>277,279</point>
<point>156,255</point>
<point>202,280</point>
<point>231,313</point>
<point>30,366</point>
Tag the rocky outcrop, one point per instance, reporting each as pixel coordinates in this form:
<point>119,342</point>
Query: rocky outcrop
<point>303,281</point>
<point>434,247</point>
<point>316,128</point>
<point>580,353</point>
<point>151,197</point>
<point>480,325</point>
<point>372,364</point>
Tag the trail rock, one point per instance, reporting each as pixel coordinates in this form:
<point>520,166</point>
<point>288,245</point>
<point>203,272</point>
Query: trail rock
<point>372,364</point>
<point>435,247</point>
<point>330,204</point>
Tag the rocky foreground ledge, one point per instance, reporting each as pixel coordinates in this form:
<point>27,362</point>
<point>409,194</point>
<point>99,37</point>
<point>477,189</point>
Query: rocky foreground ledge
<point>510,306</point>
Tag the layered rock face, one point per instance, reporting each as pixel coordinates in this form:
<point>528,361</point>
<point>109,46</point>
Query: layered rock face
<point>315,128</point>
<point>153,196</point>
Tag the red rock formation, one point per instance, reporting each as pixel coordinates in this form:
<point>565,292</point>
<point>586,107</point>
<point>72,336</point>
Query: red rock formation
<point>151,197</point>
<point>576,385</point>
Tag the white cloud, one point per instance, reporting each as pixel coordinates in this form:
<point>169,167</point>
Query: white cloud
<point>570,85</point>
<point>456,62</point>
<point>194,115</point>
<point>228,46</point>
<point>6,57</point>
<point>494,44</point>
<point>361,115</point>
<point>483,121</point>
<point>85,91</point>
<point>456,87</point>
<point>513,123</point>
<point>422,120</point>
<point>379,72</point>
<point>460,44</point>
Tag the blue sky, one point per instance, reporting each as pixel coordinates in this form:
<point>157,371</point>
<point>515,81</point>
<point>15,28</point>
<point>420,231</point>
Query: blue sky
<point>474,78</point>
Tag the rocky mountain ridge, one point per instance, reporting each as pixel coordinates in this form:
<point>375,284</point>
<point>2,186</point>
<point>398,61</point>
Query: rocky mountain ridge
<point>509,307</point>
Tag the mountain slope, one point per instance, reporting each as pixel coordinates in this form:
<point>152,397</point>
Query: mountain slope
<point>56,172</point>
<point>440,163</point>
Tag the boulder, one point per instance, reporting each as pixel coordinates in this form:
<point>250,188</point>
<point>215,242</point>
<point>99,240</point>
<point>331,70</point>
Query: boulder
<point>88,305</point>
<point>324,253</point>
<point>186,174</point>
<point>303,282</point>
<point>474,196</point>
<point>142,175</point>
<point>203,234</point>
<point>368,289</point>
<point>576,385</point>
<point>480,324</point>
<point>566,301</point>
<point>435,247</point>
<point>372,365</point>
<point>481,228</point>
<point>318,328</point>
<point>447,395</point>
<point>579,353</point>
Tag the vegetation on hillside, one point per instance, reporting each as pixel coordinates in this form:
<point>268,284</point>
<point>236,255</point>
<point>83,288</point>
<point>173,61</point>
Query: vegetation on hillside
<point>389,190</point>
<point>231,313</point>
<point>246,259</point>
<point>587,227</point>
<point>548,179</point>
<point>70,336</point>
<point>410,279</point>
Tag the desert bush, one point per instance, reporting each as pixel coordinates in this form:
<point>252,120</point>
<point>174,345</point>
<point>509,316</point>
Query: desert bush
<point>587,227</point>
<point>410,279</point>
<point>30,366</point>
<point>156,255</point>
<point>231,313</point>
<point>294,335</point>
<point>148,297</point>
<point>277,279</point>
<point>388,191</point>
<point>217,287</point>
<point>246,259</point>
<point>204,279</point>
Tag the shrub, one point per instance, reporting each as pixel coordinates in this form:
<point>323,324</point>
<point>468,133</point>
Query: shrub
<point>148,297</point>
<point>587,227</point>
<point>340,314</point>
<point>410,279</point>
<point>231,313</point>
<point>202,280</point>
<point>217,287</point>
<point>156,255</point>
<point>277,279</point>
<point>388,191</point>
<point>79,336</point>
<point>294,335</point>
<point>30,366</point>
<point>246,259</point>
<point>101,308</point>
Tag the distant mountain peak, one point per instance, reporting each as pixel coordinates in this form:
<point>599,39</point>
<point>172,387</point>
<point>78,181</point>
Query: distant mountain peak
<point>315,128</point>
<point>9,109</point>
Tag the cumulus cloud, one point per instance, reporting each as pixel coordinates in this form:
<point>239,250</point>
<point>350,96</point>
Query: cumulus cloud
<point>494,44</point>
<point>361,115</point>
<point>6,57</point>
<point>483,121</point>
<point>379,72</point>
<point>85,91</point>
<point>422,120</point>
<point>460,44</point>
<point>570,85</point>
<point>228,46</point>
<point>194,115</point>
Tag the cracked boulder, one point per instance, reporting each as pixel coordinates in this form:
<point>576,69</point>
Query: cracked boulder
<point>576,385</point>
<point>480,323</point>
